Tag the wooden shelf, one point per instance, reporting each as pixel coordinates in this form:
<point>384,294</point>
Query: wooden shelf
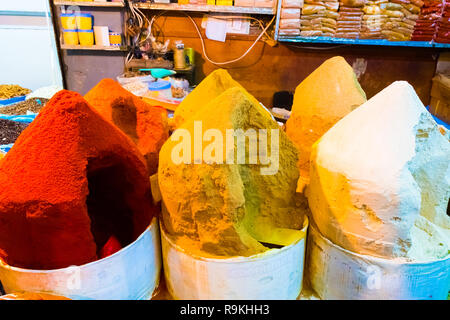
<point>204,8</point>
<point>95,47</point>
<point>89,4</point>
<point>171,7</point>
<point>362,42</point>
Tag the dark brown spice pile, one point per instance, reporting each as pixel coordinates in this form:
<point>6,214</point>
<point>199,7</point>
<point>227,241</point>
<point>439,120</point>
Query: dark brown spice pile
<point>10,130</point>
<point>34,105</point>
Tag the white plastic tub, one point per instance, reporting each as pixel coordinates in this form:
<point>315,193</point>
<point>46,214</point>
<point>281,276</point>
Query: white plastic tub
<point>275,275</point>
<point>130,274</point>
<point>336,273</point>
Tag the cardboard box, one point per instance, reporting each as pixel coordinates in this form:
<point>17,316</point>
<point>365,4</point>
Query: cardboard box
<point>440,97</point>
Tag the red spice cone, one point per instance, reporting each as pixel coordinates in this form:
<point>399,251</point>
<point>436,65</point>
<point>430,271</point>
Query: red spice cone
<point>146,125</point>
<point>70,181</point>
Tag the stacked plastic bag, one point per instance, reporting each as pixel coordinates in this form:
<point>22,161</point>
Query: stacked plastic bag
<point>443,25</point>
<point>319,18</point>
<point>425,27</point>
<point>350,18</point>
<point>373,20</point>
<point>290,17</point>
<point>401,16</point>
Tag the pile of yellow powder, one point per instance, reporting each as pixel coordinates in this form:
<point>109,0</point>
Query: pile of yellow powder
<point>223,210</point>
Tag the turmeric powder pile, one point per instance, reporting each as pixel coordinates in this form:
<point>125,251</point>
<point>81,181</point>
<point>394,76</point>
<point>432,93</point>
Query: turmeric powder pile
<point>146,125</point>
<point>221,209</point>
<point>321,100</point>
<point>211,87</point>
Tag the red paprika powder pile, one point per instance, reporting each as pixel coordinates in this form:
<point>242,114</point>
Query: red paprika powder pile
<point>71,182</point>
<point>146,125</point>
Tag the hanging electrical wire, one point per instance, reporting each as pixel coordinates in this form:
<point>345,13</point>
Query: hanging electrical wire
<point>264,31</point>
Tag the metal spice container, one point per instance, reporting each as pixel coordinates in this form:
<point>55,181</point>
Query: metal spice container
<point>179,56</point>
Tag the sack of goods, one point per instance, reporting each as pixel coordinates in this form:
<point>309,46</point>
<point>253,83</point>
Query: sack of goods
<point>401,16</point>
<point>350,18</point>
<point>290,17</point>
<point>425,27</point>
<point>443,25</point>
<point>319,18</point>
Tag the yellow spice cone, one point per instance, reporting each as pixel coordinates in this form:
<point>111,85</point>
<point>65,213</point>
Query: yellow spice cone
<point>322,99</point>
<point>211,87</point>
<point>229,209</point>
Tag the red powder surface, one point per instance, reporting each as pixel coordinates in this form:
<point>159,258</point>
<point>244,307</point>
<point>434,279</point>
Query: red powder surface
<point>146,125</point>
<point>71,181</point>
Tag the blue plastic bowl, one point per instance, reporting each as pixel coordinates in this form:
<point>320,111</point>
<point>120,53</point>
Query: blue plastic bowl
<point>5,102</point>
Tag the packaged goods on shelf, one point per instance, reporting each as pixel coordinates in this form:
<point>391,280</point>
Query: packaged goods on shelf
<point>264,3</point>
<point>68,21</point>
<point>115,38</point>
<point>349,21</point>
<point>373,20</point>
<point>289,23</point>
<point>400,20</point>
<point>443,25</point>
<point>425,27</point>
<point>289,32</point>
<point>319,18</point>
<point>290,13</point>
<point>224,2</point>
<point>86,37</point>
<point>101,34</point>
<point>85,21</point>
<point>244,3</point>
<point>71,37</point>
<point>297,4</point>
<point>290,18</point>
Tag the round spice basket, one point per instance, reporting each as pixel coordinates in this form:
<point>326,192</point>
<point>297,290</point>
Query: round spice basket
<point>130,274</point>
<point>336,273</point>
<point>274,275</point>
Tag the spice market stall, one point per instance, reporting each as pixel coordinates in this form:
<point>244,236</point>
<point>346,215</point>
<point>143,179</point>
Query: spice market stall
<point>173,176</point>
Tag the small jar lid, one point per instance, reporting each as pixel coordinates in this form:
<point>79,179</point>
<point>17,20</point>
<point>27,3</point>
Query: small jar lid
<point>159,85</point>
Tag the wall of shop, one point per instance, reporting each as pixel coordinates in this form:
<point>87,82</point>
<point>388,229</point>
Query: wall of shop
<point>28,48</point>
<point>84,69</point>
<point>267,69</point>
